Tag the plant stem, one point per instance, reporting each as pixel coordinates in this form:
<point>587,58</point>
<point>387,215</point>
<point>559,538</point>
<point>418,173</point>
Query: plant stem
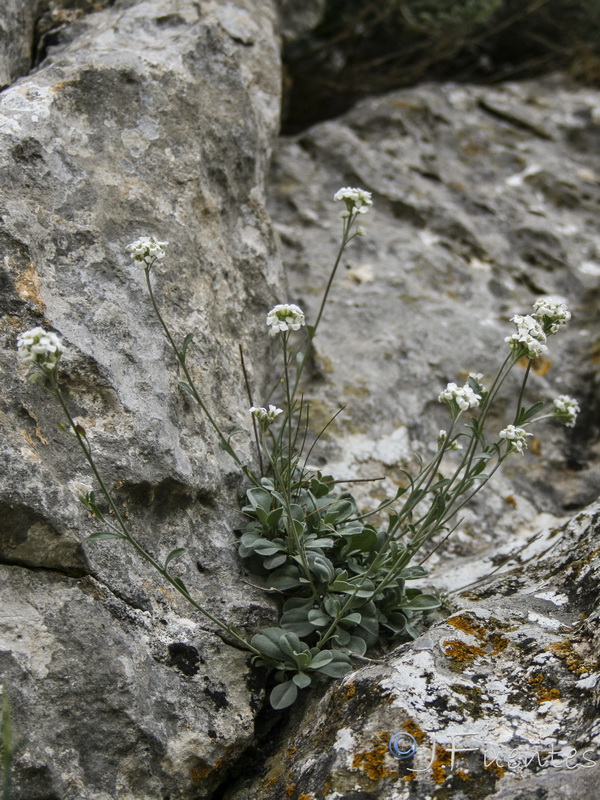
<point>254,425</point>
<point>522,391</point>
<point>85,446</point>
<point>312,331</point>
<point>180,354</point>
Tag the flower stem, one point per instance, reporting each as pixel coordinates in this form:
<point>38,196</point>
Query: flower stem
<point>180,354</point>
<point>124,529</point>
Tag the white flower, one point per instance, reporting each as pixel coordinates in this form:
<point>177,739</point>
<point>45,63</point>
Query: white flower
<point>265,416</point>
<point>285,317</point>
<point>552,313</point>
<point>516,437</point>
<point>357,200</point>
<point>463,398</point>
<point>145,251</point>
<point>529,338</point>
<point>566,410</point>
<point>39,348</point>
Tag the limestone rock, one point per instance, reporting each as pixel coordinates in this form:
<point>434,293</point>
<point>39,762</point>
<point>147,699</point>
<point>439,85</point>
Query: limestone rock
<point>29,27</point>
<point>498,701</point>
<point>483,200</point>
<point>145,118</point>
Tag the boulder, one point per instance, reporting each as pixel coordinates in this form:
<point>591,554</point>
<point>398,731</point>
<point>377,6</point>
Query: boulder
<point>482,201</point>
<point>498,701</point>
<point>469,226</point>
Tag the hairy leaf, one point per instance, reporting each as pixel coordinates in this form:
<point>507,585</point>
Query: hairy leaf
<point>283,695</point>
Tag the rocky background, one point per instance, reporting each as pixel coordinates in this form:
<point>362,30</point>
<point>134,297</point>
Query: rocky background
<point>162,118</point>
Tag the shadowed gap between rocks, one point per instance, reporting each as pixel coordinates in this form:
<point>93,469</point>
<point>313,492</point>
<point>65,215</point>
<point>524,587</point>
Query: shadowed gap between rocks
<point>34,28</point>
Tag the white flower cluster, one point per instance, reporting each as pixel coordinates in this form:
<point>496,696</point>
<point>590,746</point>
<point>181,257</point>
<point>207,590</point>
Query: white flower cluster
<point>529,339</point>
<point>463,398</point>
<point>39,348</point>
<point>145,251</point>
<point>357,200</point>
<point>516,437</point>
<point>552,313</point>
<point>566,410</point>
<point>285,317</point>
<point>265,416</point>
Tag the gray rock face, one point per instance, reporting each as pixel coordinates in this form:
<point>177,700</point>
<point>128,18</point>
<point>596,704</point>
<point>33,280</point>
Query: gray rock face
<point>470,224</point>
<point>146,120</point>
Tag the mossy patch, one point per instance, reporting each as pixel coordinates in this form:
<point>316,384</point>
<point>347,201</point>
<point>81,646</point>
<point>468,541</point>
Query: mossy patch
<point>473,698</point>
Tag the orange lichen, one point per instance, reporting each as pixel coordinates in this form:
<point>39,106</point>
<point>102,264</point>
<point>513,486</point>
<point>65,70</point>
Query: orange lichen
<point>461,652</point>
<point>38,430</point>
<point>541,365</point>
<point>198,774</point>
<point>535,446</point>
<point>268,782</point>
<point>349,690</point>
<point>463,775</point>
<point>373,761</point>
<point>28,287</point>
<point>543,692</point>
<point>571,659</point>
<point>410,726</point>
<point>499,643</point>
<point>291,751</point>
<point>305,797</point>
<point>466,653</point>
<point>443,759</point>
<point>467,625</point>
<point>496,769</point>
<point>289,790</point>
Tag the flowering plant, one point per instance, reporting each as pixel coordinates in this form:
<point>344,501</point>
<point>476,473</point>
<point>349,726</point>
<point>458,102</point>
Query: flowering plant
<point>343,577</point>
